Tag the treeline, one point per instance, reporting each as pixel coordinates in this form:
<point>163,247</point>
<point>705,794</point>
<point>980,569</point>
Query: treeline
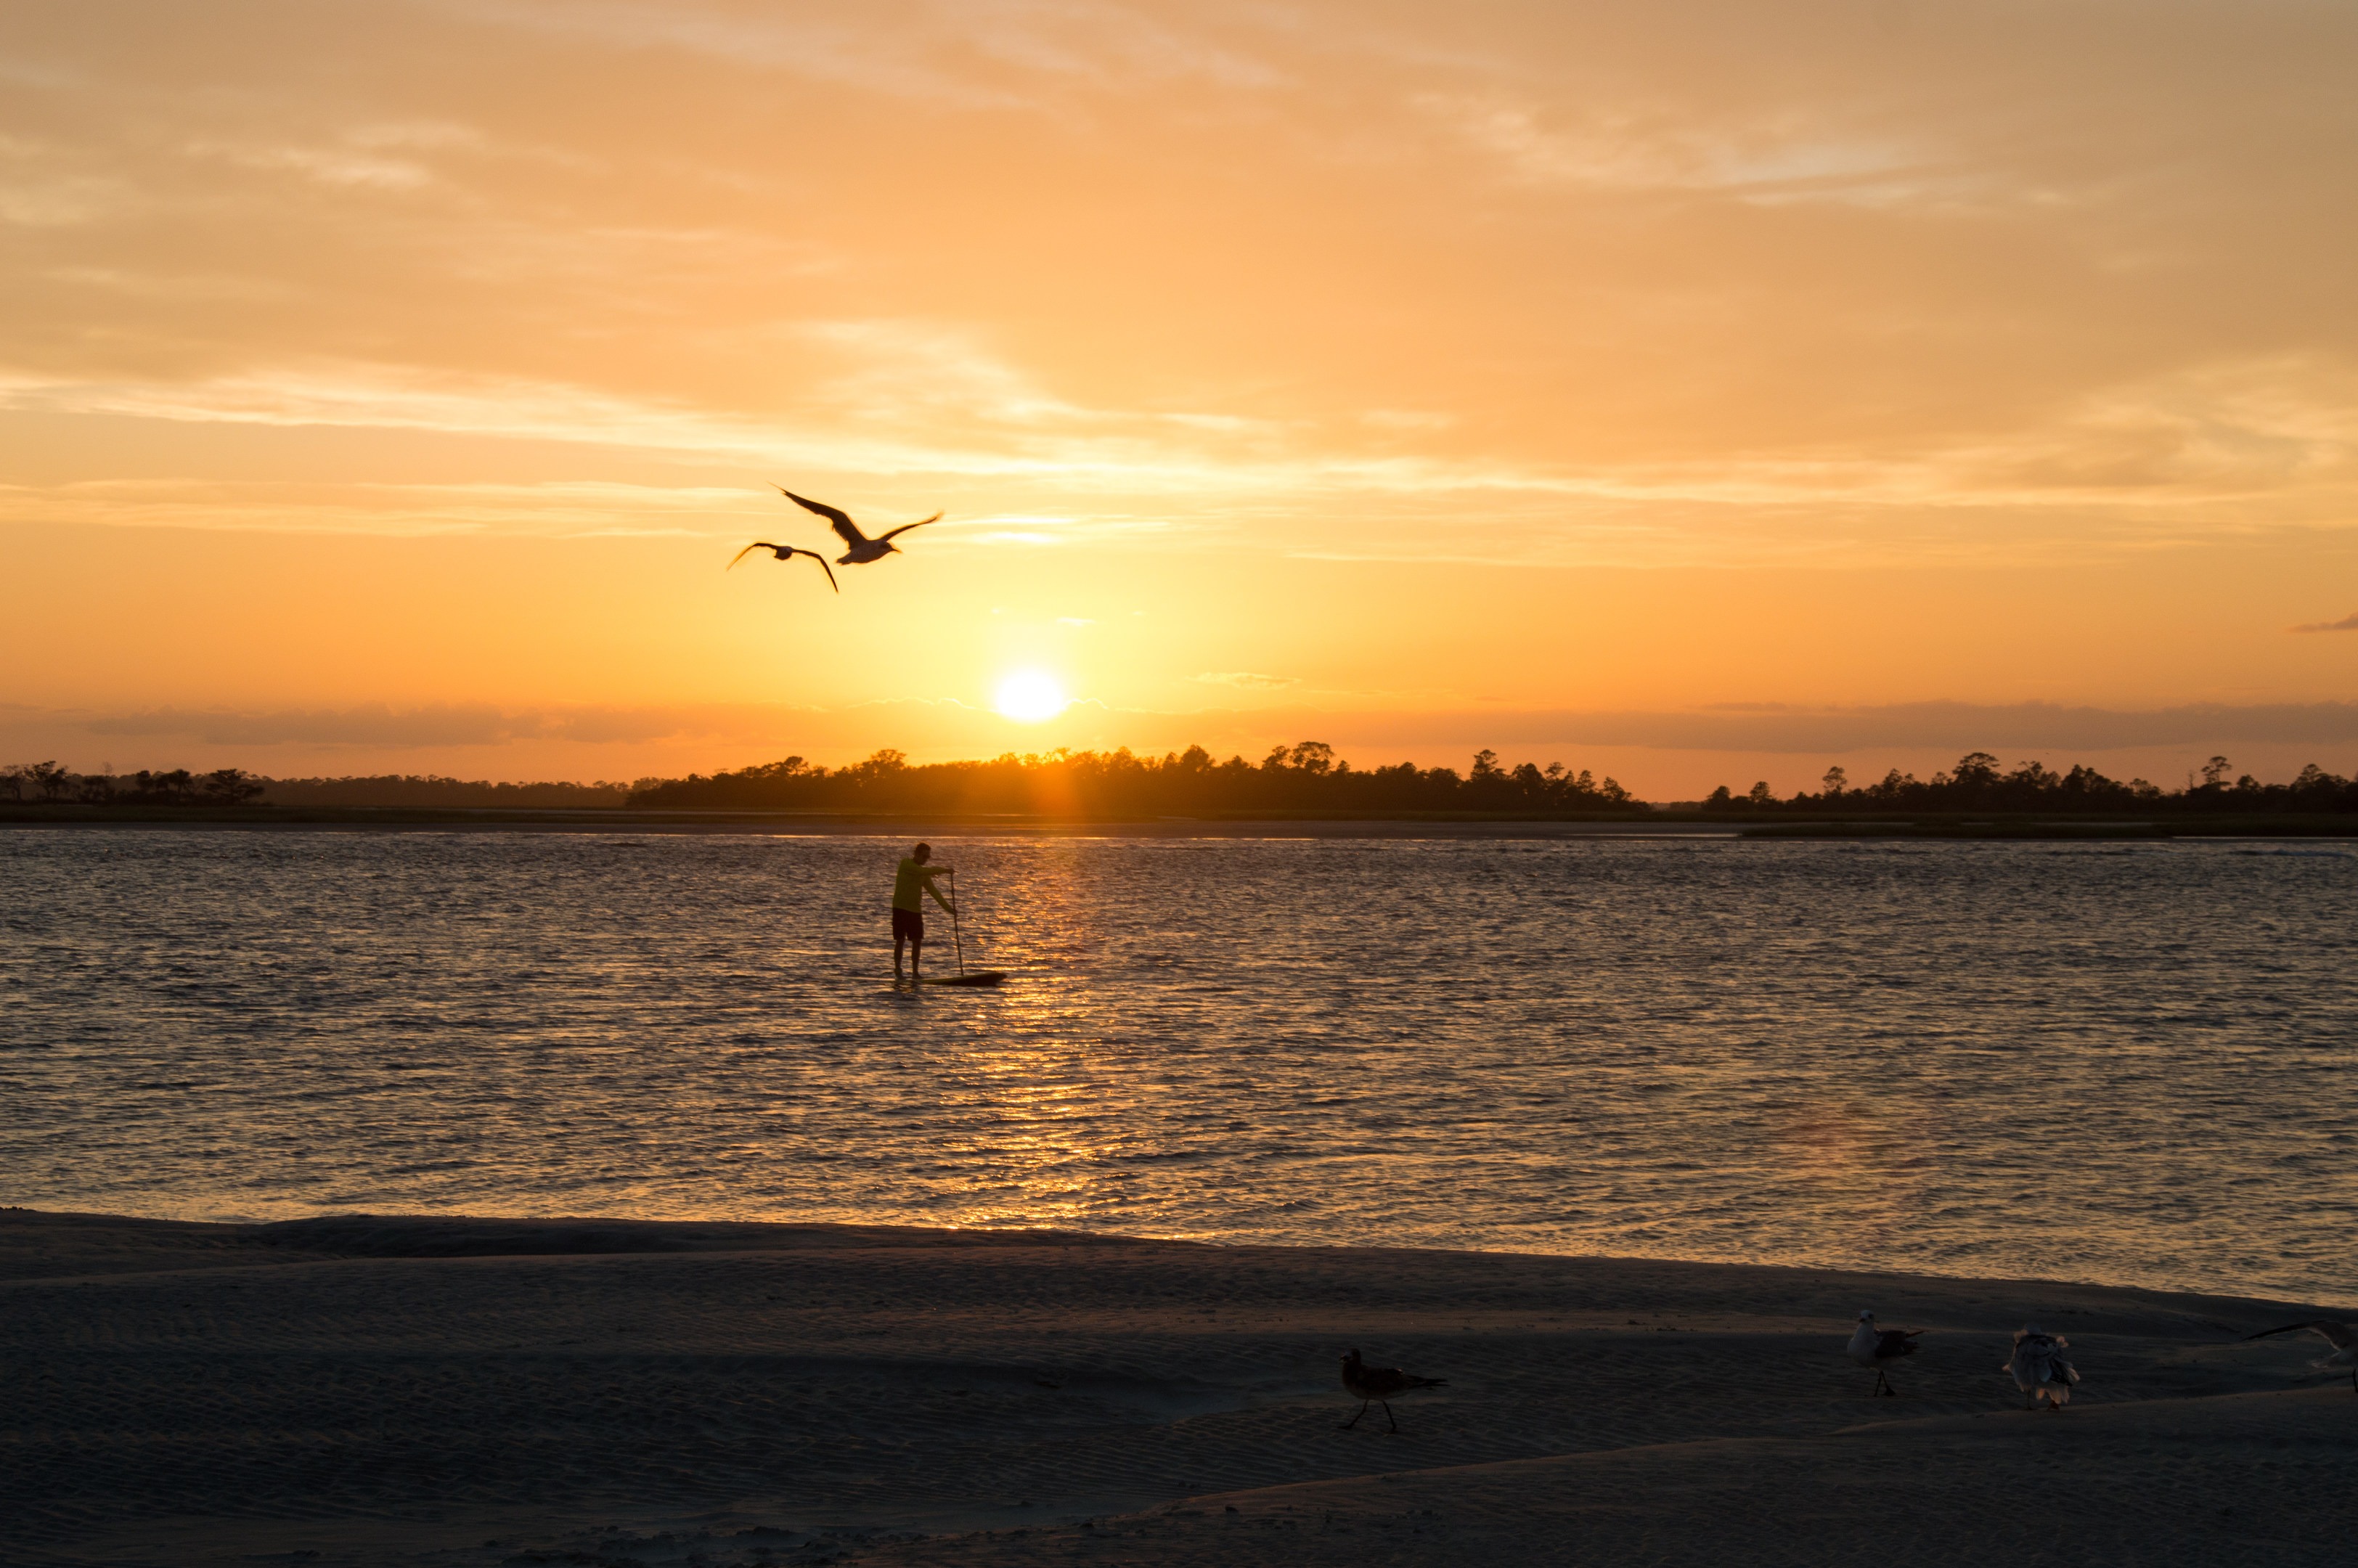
<point>1301,779</point>
<point>1291,780</point>
<point>461,795</point>
<point>49,782</point>
<point>1976,784</point>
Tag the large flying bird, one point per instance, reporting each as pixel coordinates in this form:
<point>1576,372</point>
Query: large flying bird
<point>863,548</point>
<point>787,553</point>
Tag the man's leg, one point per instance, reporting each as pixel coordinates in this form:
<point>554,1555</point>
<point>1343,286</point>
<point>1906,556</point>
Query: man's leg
<point>916,955</point>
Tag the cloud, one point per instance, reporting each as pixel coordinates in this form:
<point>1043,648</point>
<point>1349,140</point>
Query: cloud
<point>2051,727</point>
<point>1770,160</point>
<point>1760,728</point>
<point>1247,680</point>
<point>444,724</point>
<point>2347,624</point>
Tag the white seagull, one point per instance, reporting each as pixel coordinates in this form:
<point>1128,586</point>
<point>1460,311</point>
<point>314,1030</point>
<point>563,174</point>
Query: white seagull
<point>2338,1334</point>
<point>2038,1368</point>
<point>1878,1347</point>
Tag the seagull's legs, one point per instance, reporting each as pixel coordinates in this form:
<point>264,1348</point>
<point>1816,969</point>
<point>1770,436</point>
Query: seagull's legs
<point>1388,1413</point>
<point>1354,1419</point>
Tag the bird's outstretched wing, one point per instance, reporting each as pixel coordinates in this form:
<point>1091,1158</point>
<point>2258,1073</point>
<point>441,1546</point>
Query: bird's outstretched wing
<point>823,566</point>
<point>843,525</point>
<point>2331,1332</point>
<point>756,545</point>
<point>886,538</point>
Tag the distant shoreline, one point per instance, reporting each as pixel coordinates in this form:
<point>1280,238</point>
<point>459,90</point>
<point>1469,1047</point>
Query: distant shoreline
<point>1657,825</point>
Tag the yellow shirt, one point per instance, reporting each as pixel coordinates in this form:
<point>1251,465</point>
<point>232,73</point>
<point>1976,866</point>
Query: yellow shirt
<point>910,882</point>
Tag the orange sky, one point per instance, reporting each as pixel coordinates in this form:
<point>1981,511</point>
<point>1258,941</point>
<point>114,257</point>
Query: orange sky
<point>1691,392</point>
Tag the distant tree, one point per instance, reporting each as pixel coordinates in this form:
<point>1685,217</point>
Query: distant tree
<point>1314,757</point>
<point>1718,799</point>
<point>1834,782</point>
<point>49,778</point>
<point>229,786</point>
<point>2214,772</point>
<point>1976,771</point>
<point>12,779</point>
<point>1761,795</point>
<point>1486,766</point>
<point>96,789</point>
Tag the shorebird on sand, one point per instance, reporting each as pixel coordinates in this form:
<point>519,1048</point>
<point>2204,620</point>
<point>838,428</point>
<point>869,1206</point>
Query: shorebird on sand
<point>1378,1385</point>
<point>2038,1368</point>
<point>787,553</point>
<point>2338,1334</point>
<point>1878,1347</point>
<point>863,548</point>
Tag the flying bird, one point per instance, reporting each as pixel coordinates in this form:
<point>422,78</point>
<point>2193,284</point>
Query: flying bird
<point>787,553</point>
<point>1878,1347</point>
<point>1378,1385</point>
<point>2338,1334</point>
<point>2038,1368</point>
<point>863,548</point>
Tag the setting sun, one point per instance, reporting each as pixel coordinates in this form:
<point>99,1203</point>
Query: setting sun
<point>1032,696</point>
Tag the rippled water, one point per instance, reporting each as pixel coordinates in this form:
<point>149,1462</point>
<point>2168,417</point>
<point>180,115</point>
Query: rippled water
<point>2128,1063</point>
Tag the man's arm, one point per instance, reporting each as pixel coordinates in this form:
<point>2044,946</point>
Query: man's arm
<point>929,874</point>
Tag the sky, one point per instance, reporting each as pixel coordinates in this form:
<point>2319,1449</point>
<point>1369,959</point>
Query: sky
<point>1694,393</point>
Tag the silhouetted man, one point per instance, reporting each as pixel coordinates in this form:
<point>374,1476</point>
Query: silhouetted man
<point>911,885</point>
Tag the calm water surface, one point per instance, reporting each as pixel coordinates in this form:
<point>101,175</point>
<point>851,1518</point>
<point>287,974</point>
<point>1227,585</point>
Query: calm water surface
<point>2115,1063</point>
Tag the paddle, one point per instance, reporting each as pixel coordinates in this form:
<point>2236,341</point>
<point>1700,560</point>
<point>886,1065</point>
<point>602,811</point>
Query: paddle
<point>957,937</point>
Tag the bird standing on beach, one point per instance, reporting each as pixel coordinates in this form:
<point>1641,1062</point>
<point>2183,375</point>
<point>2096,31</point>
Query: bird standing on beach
<point>2038,1368</point>
<point>1378,1385</point>
<point>2338,1334</point>
<point>863,548</point>
<point>1878,1347</point>
<point>787,553</point>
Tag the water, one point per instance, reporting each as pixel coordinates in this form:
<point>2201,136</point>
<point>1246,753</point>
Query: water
<point>2128,1063</point>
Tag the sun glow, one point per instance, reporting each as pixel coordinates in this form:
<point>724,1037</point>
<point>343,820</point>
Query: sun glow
<point>1031,696</point>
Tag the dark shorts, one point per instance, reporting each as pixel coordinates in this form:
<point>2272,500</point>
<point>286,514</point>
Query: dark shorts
<point>908,923</point>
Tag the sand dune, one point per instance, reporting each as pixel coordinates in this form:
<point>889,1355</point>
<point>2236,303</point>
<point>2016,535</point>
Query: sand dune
<point>381,1392</point>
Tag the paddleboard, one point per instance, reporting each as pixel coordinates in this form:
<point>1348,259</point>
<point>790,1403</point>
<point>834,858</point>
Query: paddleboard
<point>978,977</point>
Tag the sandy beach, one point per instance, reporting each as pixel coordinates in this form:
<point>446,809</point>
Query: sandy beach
<point>451,1391</point>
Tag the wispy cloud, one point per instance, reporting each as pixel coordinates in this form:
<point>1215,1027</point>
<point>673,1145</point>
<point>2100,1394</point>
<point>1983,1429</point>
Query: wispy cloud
<point>942,726</point>
<point>2347,624</point>
<point>1248,680</point>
